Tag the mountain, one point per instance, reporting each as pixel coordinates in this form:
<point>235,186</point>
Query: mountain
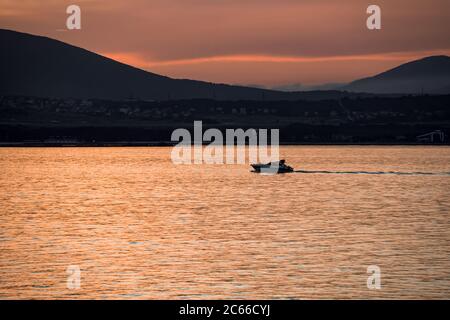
<point>300,87</point>
<point>428,75</point>
<point>42,67</point>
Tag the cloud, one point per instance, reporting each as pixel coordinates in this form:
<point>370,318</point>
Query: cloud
<point>166,34</point>
<point>274,70</point>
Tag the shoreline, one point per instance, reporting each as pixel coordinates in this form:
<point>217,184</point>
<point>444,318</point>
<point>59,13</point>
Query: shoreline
<point>171,144</point>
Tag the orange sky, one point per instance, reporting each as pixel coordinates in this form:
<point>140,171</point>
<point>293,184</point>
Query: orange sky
<point>261,42</point>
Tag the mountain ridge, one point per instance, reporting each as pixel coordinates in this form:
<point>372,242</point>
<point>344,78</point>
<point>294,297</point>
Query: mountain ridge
<point>427,75</point>
<point>41,66</point>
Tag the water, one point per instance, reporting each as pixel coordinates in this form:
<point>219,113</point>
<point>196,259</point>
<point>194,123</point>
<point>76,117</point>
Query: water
<point>140,227</point>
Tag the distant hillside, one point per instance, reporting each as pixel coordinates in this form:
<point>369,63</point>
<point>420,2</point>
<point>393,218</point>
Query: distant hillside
<point>300,87</point>
<point>428,75</point>
<point>38,66</point>
<point>399,120</point>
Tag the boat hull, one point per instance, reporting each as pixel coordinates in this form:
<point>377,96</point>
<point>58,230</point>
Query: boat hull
<point>263,168</point>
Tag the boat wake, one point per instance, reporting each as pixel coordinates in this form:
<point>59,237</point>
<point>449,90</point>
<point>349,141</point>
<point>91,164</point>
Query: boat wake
<point>376,172</point>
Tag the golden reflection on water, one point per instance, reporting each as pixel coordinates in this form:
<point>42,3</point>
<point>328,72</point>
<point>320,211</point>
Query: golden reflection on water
<point>140,227</point>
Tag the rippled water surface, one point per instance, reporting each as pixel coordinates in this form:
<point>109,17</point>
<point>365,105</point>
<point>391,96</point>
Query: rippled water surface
<point>140,227</point>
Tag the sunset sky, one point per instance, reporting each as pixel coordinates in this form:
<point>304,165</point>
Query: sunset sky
<point>256,42</point>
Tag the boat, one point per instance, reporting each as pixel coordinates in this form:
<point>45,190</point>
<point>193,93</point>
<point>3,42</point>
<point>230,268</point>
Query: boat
<point>272,167</point>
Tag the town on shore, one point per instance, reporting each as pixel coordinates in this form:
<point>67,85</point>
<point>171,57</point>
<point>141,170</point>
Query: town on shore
<point>34,121</point>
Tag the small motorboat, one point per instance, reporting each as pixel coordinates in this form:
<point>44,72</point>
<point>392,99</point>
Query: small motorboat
<point>272,167</point>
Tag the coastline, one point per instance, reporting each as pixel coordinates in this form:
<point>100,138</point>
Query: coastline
<point>171,144</point>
